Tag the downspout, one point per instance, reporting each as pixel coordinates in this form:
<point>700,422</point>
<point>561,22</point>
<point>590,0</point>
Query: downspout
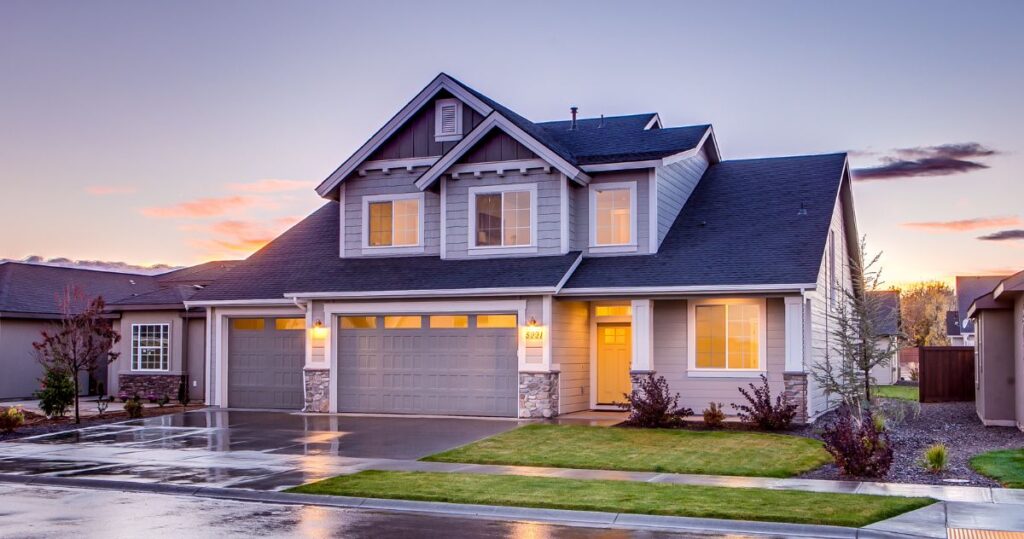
<point>184,355</point>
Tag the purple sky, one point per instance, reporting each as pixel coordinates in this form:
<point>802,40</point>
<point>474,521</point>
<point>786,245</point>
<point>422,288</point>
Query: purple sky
<point>178,132</point>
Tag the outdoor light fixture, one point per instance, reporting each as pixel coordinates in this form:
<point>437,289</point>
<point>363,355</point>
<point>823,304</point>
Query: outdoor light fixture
<point>319,331</point>
<point>532,323</point>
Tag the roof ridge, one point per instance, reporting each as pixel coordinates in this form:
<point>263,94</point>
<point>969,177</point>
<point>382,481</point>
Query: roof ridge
<point>793,156</point>
<point>93,270</point>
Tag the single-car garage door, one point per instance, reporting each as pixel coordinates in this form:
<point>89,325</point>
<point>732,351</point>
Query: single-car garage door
<point>450,364</point>
<point>265,360</point>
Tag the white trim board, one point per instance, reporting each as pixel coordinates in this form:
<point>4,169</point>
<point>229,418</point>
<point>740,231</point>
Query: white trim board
<point>397,294</point>
<point>592,244</point>
<point>691,339</point>
<point>696,290</point>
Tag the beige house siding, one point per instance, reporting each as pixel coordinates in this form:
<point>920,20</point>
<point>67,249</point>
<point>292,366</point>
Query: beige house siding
<point>21,371</point>
<point>885,374</point>
<point>995,366</point>
<point>1018,338</point>
<point>570,349</point>
<point>671,357</point>
<point>123,363</point>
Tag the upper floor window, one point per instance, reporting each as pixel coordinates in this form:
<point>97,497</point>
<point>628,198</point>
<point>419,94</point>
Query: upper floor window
<point>503,216</point>
<point>447,120</point>
<point>393,220</point>
<point>149,347</point>
<point>613,214</point>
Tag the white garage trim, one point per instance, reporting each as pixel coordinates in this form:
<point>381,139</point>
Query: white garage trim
<point>218,345</point>
<point>333,310</point>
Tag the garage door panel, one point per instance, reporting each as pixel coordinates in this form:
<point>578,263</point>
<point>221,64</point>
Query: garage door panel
<point>457,371</point>
<point>265,367</point>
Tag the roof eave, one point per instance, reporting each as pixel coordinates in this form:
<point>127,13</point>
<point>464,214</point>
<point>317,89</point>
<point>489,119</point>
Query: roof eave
<point>696,290</point>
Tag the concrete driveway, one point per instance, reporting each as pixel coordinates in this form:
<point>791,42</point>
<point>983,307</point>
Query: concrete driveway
<point>245,449</point>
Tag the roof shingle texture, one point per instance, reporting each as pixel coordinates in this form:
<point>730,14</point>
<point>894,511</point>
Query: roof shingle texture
<point>970,288</point>
<point>35,289</point>
<point>741,226</point>
<point>305,259</point>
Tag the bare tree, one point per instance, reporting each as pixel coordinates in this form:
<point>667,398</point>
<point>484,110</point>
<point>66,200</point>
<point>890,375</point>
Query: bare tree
<point>855,331</point>
<point>81,342</point>
<point>923,309</point>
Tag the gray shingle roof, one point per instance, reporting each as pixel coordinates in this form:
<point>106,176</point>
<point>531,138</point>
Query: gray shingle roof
<point>305,259</point>
<point>206,272</point>
<point>970,288</point>
<point>741,225</point>
<point>887,318</point>
<point>33,289</point>
<point>952,323</point>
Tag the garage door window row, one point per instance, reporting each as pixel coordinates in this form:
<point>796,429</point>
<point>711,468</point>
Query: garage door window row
<point>435,321</point>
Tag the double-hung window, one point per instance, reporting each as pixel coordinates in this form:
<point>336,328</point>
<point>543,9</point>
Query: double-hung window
<point>503,216</point>
<point>149,347</point>
<point>727,336</point>
<point>613,216</point>
<point>392,221</point>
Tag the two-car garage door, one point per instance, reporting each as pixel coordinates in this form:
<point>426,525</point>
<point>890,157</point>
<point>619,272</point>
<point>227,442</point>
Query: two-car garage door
<point>450,364</point>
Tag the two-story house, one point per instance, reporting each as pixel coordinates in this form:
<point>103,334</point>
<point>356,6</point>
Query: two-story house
<point>469,261</point>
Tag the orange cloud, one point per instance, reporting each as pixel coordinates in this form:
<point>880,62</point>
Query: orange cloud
<point>964,224</point>
<point>270,185</point>
<point>232,238</point>
<point>202,207</point>
<point>102,190</point>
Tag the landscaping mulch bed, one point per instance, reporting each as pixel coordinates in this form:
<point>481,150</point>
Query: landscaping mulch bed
<point>36,424</point>
<point>955,424</point>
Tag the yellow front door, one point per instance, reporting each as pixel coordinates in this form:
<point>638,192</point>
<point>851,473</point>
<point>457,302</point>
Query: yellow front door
<point>614,354</point>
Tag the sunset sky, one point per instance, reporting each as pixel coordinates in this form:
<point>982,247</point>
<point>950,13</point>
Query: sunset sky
<point>178,132</point>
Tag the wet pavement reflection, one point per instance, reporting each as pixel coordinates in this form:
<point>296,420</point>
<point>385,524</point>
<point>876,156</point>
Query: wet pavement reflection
<point>51,512</point>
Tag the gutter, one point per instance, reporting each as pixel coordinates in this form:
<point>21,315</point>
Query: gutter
<point>693,290</point>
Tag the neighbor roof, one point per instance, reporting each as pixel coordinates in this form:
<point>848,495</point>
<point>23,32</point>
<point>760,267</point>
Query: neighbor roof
<point>34,290</point>
<point>887,318</point>
<point>968,289</point>
<point>741,226</point>
<point>952,323</point>
<point>206,272</point>
<point>305,259</point>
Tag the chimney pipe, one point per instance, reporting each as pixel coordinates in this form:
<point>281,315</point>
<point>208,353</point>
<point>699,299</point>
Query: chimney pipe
<point>573,110</point>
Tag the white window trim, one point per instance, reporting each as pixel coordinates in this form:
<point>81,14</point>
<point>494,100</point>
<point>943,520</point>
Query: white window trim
<point>473,248</point>
<point>392,249</point>
<point>615,247</point>
<point>691,330</point>
<point>439,136</point>
<point>132,348</point>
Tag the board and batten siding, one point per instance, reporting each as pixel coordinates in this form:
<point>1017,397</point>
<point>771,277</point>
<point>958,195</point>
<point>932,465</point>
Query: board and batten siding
<point>497,146</point>
<point>570,349</point>
<point>671,358</point>
<point>397,182</point>
<point>416,137</point>
<point>820,325</point>
<point>676,183</point>
<point>548,233</point>
<point>581,208</point>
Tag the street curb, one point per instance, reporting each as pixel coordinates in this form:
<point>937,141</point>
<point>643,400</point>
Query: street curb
<point>550,516</point>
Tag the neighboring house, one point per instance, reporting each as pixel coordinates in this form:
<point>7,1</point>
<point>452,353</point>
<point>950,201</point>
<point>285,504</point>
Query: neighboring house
<point>30,302</point>
<point>887,327</point>
<point>998,316</point>
<point>968,289</point>
<point>471,262</point>
<point>953,329</point>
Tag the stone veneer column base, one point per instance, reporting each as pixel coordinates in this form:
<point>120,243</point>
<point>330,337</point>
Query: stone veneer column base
<point>317,383</point>
<point>796,391</point>
<point>149,386</point>
<point>538,394</point>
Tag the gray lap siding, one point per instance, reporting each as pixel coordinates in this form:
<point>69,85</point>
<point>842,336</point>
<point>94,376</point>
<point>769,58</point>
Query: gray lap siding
<point>397,182</point>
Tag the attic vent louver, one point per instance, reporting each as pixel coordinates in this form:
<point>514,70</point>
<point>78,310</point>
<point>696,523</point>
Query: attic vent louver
<point>448,120</point>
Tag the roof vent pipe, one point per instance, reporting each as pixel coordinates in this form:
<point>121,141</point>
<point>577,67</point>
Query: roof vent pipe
<point>573,110</point>
<point>600,125</point>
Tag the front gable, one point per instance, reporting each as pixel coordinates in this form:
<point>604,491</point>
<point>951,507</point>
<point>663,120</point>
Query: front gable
<point>418,138</point>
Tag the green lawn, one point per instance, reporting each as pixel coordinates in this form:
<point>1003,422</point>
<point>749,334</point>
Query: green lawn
<point>654,450</point>
<point>620,496</point>
<point>1006,466</point>
<point>907,393</point>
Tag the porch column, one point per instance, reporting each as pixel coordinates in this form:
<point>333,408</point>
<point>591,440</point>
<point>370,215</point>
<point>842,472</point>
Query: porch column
<point>643,337</point>
<point>794,334</point>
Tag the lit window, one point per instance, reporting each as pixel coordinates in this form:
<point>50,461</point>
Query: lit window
<point>403,322</point>
<point>613,216</point>
<point>496,321</point>
<point>358,322</point>
<point>149,347</point>
<point>447,120</point>
<point>393,223</point>
<point>247,324</point>
<point>289,324</point>
<point>503,219</point>
<point>613,310</point>
<point>458,321</point>
<point>727,336</point>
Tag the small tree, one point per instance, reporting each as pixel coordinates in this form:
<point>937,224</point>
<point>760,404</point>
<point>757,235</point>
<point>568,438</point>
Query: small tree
<point>81,342</point>
<point>854,331</point>
<point>923,309</point>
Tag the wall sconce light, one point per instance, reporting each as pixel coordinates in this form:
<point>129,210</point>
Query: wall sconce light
<point>319,331</point>
<point>532,322</point>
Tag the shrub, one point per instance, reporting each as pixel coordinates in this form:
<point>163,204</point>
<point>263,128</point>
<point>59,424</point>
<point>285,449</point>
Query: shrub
<point>761,412</point>
<point>713,415</point>
<point>101,405</point>
<point>859,448</point>
<point>935,458</point>
<point>162,401</point>
<point>914,374</point>
<point>11,419</point>
<point>134,408</point>
<point>57,394</point>
<point>651,405</point>
<point>183,396</point>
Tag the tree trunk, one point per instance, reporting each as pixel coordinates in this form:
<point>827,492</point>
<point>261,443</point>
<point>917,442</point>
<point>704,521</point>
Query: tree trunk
<point>77,418</point>
<point>867,385</point>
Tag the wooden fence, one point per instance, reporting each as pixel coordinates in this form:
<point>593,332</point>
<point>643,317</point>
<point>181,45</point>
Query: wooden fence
<point>946,373</point>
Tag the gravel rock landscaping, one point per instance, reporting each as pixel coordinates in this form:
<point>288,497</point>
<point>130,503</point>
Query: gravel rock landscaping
<point>955,424</point>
